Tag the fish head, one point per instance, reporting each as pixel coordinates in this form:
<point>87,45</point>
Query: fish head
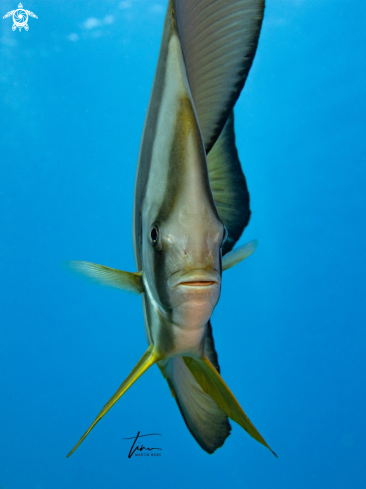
<point>183,263</point>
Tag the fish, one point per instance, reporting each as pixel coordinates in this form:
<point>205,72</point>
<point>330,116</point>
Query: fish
<point>191,205</point>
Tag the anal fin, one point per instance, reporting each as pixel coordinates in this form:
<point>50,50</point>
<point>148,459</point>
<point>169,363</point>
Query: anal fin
<point>212,384</point>
<point>205,420</point>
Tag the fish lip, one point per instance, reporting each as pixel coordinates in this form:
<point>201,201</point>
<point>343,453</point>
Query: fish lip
<point>196,278</point>
<point>198,283</point>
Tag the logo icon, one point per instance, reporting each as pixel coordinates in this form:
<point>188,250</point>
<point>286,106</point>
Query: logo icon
<point>20,17</point>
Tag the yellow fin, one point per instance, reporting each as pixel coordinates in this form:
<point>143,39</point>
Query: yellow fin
<point>128,281</point>
<point>236,256</point>
<point>148,359</point>
<point>212,383</point>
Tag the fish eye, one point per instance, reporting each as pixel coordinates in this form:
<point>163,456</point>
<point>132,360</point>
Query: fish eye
<point>154,235</point>
<point>225,235</point>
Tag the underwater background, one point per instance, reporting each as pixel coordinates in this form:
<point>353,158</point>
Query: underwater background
<point>290,325</point>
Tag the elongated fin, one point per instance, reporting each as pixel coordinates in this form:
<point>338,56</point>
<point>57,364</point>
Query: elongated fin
<point>148,359</point>
<point>236,256</point>
<point>128,281</point>
<point>205,420</point>
<point>228,184</point>
<point>212,383</point>
<point>219,39</point>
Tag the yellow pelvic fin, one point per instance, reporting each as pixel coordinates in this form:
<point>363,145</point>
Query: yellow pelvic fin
<point>212,383</point>
<point>148,359</point>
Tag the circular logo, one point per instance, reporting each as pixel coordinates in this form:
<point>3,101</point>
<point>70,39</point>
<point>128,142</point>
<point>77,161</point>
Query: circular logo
<point>20,19</point>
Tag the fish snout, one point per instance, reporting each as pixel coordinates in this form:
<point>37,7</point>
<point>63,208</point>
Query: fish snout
<point>194,278</point>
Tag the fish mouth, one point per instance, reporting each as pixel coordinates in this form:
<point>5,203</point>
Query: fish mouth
<point>195,278</point>
<point>199,283</point>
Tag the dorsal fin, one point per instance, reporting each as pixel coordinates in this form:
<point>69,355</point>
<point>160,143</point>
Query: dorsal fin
<point>219,39</point>
<point>228,184</point>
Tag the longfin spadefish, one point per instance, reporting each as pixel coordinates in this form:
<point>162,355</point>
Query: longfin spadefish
<point>146,361</point>
<point>228,184</point>
<point>219,40</point>
<point>236,256</point>
<point>128,281</point>
<point>212,383</point>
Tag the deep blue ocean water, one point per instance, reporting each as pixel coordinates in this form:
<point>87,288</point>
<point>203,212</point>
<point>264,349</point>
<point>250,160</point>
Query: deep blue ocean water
<point>290,324</point>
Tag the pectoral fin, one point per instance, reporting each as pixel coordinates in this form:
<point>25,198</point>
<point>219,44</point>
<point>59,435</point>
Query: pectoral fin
<point>236,256</point>
<point>212,384</point>
<point>128,281</point>
<point>147,360</point>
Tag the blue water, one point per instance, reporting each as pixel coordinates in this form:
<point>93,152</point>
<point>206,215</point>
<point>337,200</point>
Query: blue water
<point>290,324</point>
